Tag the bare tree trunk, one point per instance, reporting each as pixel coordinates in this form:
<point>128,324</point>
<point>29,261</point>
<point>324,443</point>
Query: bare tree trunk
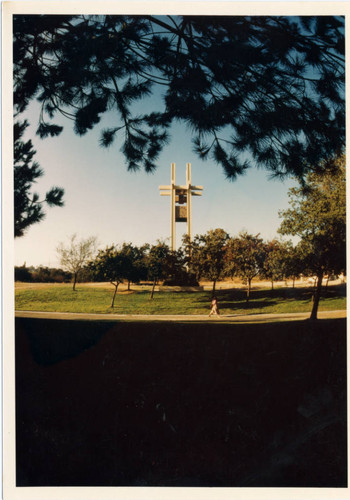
<point>153,287</point>
<point>293,281</point>
<point>115,292</point>
<point>214,284</point>
<point>317,295</point>
<point>271,284</point>
<point>326,288</point>
<point>74,281</point>
<point>248,290</point>
<point>129,285</point>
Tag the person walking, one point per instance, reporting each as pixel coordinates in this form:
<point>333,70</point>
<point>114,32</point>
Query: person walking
<point>214,307</point>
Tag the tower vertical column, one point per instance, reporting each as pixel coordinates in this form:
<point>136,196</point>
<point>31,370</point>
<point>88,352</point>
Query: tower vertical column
<point>189,200</point>
<point>172,203</point>
<point>180,203</point>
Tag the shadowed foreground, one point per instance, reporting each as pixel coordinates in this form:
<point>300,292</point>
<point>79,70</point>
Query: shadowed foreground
<point>172,404</point>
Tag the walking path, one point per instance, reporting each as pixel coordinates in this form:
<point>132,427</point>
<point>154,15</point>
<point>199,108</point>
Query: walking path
<point>226,318</point>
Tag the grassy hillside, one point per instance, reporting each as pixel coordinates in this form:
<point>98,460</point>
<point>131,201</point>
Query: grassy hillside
<point>98,300</point>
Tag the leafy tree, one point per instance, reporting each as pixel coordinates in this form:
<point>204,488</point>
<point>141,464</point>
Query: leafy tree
<point>110,265</point>
<point>263,90</point>
<point>27,206</point>
<point>157,263</point>
<point>40,274</point>
<point>245,257</point>
<point>207,255</point>
<point>134,264</point>
<point>177,271</point>
<point>76,254</point>
<point>85,275</point>
<point>43,274</point>
<point>293,261</point>
<point>273,267</point>
<point>22,273</point>
<point>317,214</point>
<point>58,275</point>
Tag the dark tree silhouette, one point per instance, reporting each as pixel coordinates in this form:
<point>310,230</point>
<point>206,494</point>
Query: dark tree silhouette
<point>265,91</point>
<point>28,208</point>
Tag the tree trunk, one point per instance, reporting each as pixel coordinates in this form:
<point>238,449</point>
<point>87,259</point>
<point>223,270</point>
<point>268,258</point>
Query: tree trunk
<point>214,284</point>
<point>293,281</point>
<point>74,281</point>
<point>129,285</point>
<point>153,287</point>
<point>248,290</point>
<point>326,288</point>
<point>271,284</point>
<point>317,295</point>
<point>115,292</point>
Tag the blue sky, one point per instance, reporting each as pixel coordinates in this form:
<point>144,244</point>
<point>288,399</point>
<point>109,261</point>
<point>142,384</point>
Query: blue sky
<point>103,199</point>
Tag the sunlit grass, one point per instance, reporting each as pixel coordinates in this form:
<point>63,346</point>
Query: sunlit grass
<point>97,300</point>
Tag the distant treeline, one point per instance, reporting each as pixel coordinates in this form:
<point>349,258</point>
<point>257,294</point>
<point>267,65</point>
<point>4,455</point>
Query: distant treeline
<point>44,274</point>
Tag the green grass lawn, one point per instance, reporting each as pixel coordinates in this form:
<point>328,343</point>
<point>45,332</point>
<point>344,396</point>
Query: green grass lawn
<point>97,300</point>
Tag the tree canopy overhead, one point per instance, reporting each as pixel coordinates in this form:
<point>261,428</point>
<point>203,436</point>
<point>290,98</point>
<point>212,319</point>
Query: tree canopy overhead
<point>29,209</point>
<point>265,91</point>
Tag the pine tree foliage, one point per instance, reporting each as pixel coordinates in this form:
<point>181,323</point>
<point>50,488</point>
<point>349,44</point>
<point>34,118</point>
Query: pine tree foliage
<point>28,208</point>
<point>265,91</point>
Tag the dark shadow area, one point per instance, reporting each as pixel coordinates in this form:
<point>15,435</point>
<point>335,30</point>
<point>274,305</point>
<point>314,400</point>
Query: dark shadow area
<point>246,306</point>
<point>334,291</point>
<point>176,404</point>
<point>234,298</point>
<point>54,341</point>
<point>259,299</point>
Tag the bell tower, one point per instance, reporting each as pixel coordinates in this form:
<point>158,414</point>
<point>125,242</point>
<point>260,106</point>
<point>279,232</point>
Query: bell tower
<point>180,202</point>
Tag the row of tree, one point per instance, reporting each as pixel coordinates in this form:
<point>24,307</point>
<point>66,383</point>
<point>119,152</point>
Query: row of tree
<point>42,274</point>
<point>317,215</point>
<point>212,256</point>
